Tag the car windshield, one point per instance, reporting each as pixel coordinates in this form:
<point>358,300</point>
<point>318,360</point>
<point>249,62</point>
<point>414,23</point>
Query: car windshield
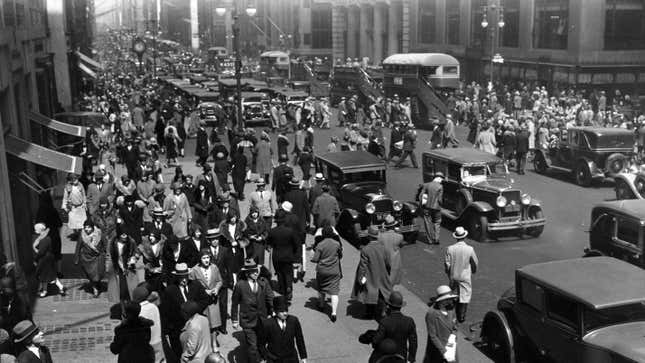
<point>375,175</point>
<point>610,141</point>
<point>595,319</point>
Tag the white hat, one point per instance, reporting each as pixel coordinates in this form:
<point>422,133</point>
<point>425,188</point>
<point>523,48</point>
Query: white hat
<point>287,206</point>
<point>39,228</point>
<point>460,233</point>
<point>444,293</point>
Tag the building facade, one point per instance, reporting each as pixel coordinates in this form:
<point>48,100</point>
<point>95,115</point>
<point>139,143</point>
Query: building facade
<point>589,43</point>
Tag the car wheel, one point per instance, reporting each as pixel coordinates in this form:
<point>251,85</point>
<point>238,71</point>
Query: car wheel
<point>497,339</point>
<point>622,191</point>
<point>616,163</point>
<point>539,164</point>
<point>583,175</point>
<point>535,213</point>
<point>478,227</point>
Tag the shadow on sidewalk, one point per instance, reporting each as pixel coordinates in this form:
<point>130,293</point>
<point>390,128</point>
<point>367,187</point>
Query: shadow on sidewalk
<point>76,324</point>
<point>239,354</point>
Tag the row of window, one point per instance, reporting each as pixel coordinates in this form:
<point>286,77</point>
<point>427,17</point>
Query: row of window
<point>624,23</point>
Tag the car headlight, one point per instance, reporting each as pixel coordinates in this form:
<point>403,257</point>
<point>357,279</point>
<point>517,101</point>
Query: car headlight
<point>526,199</point>
<point>397,206</point>
<point>370,208</point>
<point>501,201</point>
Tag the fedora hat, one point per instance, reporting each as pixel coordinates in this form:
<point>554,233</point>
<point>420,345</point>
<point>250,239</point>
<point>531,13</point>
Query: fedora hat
<point>439,175</point>
<point>213,233</point>
<point>260,182</point>
<point>395,300</point>
<point>158,212</point>
<point>294,182</point>
<point>249,265</point>
<point>319,177</point>
<point>24,330</point>
<point>390,221</point>
<point>460,233</point>
<point>444,293</point>
<point>181,269</point>
<point>372,232</point>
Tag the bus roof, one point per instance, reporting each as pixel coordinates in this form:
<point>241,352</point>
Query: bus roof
<point>421,59</point>
<point>274,54</point>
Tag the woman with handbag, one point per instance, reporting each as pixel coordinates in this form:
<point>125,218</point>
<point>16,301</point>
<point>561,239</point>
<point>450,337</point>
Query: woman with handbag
<point>208,275</point>
<point>90,253</point>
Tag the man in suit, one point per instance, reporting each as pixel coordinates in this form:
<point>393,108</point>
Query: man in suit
<point>398,327</point>
<point>392,241</point>
<point>252,302</point>
<point>395,136</point>
<point>449,132</point>
<point>521,148</point>
<point>159,224</point>
<point>409,144</point>
<point>281,176</point>
<point>430,198</point>
<point>263,201</point>
<point>325,208</point>
<point>201,148</point>
<point>176,251</point>
<point>132,218</point>
<point>461,262</point>
<point>222,258</point>
<point>176,294</point>
<point>195,242</point>
<point>282,339</point>
<point>285,246</point>
<point>316,189</point>
<point>97,190</point>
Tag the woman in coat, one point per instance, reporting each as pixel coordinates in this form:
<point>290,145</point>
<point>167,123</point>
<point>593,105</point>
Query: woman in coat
<point>90,253</point>
<point>46,261</point>
<point>49,216</point>
<point>203,204</point>
<point>263,155</point>
<point>105,219</point>
<point>232,229</point>
<point>121,267</point>
<point>239,164</point>
<point>151,251</point>
<point>178,211</point>
<point>327,255</point>
<point>74,203</point>
<point>486,140</point>
<point>208,275</point>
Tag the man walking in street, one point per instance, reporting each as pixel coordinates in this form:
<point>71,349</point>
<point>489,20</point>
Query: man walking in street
<point>409,144</point>
<point>430,198</point>
<point>522,148</point>
<point>461,262</point>
<point>398,327</point>
<point>283,340</point>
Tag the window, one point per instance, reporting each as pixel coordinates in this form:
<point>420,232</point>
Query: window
<point>454,172</point>
<point>625,24</point>
<point>573,140</point>
<point>562,310</point>
<point>306,39</point>
<point>510,33</point>
<point>452,21</point>
<point>550,26</point>
<point>427,21</point>
<point>321,31</point>
<point>628,230</point>
<point>9,13</point>
<point>532,294</point>
<point>477,33</point>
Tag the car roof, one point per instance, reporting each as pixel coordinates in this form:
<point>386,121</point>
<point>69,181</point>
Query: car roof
<point>79,113</point>
<point>464,155</point>
<point>421,59</point>
<point>354,161</point>
<point>605,131</point>
<point>633,207</point>
<point>597,282</point>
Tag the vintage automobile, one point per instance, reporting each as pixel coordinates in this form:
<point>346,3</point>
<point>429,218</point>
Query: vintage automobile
<point>357,180</point>
<point>255,106</point>
<point>631,183</point>
<point>618,230</point>
<point>211,113</point>
<point>478,192</point>
<point>590,153</point>
<point>580,310</point>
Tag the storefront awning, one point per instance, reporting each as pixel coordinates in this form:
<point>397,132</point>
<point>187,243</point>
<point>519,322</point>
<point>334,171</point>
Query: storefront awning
<point>57,125</point>
<point>43,156</point>
<point>89,60</point>
<point>86,70</point>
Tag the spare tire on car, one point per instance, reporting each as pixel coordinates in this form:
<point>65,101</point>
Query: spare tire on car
<point>616,163</point>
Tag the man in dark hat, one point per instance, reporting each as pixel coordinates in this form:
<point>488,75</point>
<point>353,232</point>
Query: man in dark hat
<point>159,224</point>
<point>131,218</point>
<point>99,188</point>
<point>201,146</point>
<point>392,241</point>
<point>396,136</point>
<point>285,249</point>
<point>283,339</point>
<point>282,174</point>
<point>372,285</point>
<point>221,257</point>
<point>398,327</point>
<point>212,183</point>
<point>28,340</point>
<point>251,302</point>
<point>430,199</point>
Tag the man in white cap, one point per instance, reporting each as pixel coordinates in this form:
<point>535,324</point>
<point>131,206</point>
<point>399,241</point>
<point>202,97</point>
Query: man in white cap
<point>461,262</point>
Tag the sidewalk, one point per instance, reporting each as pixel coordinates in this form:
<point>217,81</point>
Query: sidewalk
<point>78,328</point>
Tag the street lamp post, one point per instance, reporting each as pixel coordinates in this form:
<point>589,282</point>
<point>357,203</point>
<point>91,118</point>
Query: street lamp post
<point>250,11</point>
<point>154,32</point>
<point>497,11</point>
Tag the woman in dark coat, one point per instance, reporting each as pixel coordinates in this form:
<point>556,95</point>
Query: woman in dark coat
<point>327,257</point>
<point>306,162</point>
<point>132,336</point>
<point>238,172</point>
<point>90,253</point>
<point>105,219</point>
<point>46,262</point>
<point>203,204</point>
<point>49,216</point>
<point>256,231</point>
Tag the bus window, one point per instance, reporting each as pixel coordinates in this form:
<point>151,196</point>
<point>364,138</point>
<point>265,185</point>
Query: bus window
<point>450,70</point>
<point>429,71</point>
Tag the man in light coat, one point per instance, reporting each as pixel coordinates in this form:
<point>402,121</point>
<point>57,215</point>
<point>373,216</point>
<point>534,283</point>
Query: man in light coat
<point>461,262</point>
<point>195,337</point>
<point>263,200</point>
<point>372,285</point>
<point>178,211</point>
<point>430,198</point>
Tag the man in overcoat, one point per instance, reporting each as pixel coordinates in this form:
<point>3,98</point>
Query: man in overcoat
<point>201,147</point>
<point>325,208</point>
<point>430,199</point>
<point>372,285</point>
<point>461,262</point>
<point>392,241</point>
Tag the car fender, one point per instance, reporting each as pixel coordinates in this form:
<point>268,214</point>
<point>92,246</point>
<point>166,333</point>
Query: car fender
<point>535,203</point>
<point>593,168</point>
<point>479,207</point>
<point>352,212</point>
<point>545,156</point>
<point>411,206</point>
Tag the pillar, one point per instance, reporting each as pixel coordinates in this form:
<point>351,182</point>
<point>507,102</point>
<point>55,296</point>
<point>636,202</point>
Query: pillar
<point>56,21</point>
<point>364,38</point>
<point>379,27</point>
<point>352,31</point>
<point>405,28</point>
<point>393,28</point>
<point>194,26</point>
<point>228,24</point>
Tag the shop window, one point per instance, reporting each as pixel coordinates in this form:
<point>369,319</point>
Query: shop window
<point>452,21</point>
<point>427,12</point>
<point>625,24</point>
<point>550,25</point>
<point>510,33</point>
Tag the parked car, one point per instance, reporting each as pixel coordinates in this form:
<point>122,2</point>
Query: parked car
<point>479,192</point>
<point>618,230</point>
<point>590,153</point>
<point>630,184</point>
<point>358,179</point>
<point>255,106</point>
<point>580,310</point>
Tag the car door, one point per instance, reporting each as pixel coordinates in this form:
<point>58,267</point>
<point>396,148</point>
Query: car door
<point>627,244</point>
<point>451,186</point>
<point>561,328</point>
